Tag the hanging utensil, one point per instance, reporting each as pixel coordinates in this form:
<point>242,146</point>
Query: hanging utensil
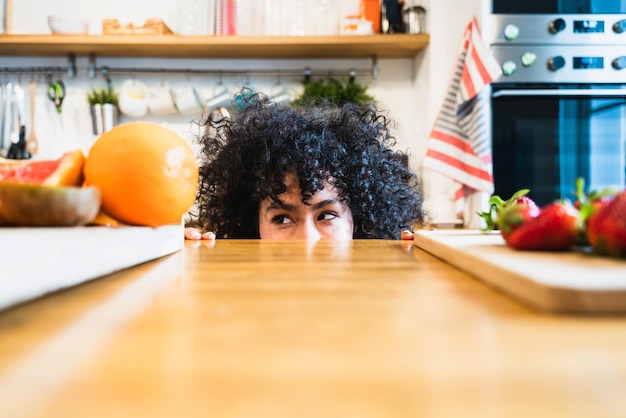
<point>2,98</point>
<point>17,150</point>
<point>32,144</point>
<point>7,116</point>
<point>14,125</point>
<point>56,93</point>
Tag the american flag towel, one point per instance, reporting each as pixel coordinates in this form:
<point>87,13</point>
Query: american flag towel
<point>459,145</point>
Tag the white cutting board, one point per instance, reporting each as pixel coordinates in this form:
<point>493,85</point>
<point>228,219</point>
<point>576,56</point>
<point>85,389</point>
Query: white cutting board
<point>37,261</point>
<point>569,282</point>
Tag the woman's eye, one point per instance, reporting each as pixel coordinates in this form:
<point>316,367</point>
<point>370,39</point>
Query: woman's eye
<point>281,220</point>
<point>327,216</point>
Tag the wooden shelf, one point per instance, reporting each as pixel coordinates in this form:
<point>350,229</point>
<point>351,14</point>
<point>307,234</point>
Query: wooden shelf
<point>174,46</point>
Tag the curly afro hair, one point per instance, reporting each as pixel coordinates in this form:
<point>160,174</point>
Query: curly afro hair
<point>244,160</point>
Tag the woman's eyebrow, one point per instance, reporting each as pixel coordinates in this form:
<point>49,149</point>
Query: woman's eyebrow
<point>326,202</point>
<point>280,206</point>
<point>289,207</point>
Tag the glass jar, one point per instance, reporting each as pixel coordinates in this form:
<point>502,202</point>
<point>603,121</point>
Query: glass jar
<point>192,17</point>
<point>326,17</point>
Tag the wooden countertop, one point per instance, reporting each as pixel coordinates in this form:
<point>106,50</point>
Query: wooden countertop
<point>275,329</point>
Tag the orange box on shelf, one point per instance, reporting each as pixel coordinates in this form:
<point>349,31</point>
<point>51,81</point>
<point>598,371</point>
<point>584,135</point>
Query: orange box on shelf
<point>370,10</point>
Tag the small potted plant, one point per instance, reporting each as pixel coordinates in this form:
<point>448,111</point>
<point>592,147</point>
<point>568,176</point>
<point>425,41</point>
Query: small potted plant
<point>336,91</point>
<point>103,105</point>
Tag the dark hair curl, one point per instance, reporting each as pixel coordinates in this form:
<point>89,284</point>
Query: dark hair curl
<point>244,160</point>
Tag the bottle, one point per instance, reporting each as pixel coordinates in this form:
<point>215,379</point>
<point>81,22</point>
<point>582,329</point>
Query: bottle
<point>391,17</point>
<point>273,12</point>
<point>327,17</point>
<point>244,18</point>
<point>297,14</point>
<point>190,19</point>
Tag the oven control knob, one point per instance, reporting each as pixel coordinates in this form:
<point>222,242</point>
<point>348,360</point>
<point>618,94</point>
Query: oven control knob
<point>556,63</point>
<point>619,63</point>
<point>510,32</point>
<point>556,26</point>
<point>619,26</point>
<point>529,59</point>
<point>509,68</point>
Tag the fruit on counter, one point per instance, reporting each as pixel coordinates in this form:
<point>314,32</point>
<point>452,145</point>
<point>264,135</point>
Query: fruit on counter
<point>66,170</point>
<point>525,226</point>
<point>596,220</point>
<point>25,204</point>
<point>519,207</point>
<point>555,228</point>
<point>146,173</point>
<point>46,192</point>
<point>588,204</point>
<point>606,227</point>
<point>515,213</point>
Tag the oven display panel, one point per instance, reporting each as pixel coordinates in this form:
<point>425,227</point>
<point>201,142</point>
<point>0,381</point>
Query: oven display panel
<point>558,6</point>
<point>588,26</point>
<point>583,63</point>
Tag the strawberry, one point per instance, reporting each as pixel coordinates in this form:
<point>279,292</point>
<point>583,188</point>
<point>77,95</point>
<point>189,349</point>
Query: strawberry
<point>588,204</point>
<point>519,206</point>
<point>555,228</point>
<point>606,228</point>
<point>514,215</point>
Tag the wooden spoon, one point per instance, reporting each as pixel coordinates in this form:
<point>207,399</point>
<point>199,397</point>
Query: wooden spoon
<point>32,145</point>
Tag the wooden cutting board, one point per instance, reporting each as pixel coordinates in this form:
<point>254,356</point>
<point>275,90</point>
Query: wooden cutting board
<point>567,282</point>
<point>37,261</point>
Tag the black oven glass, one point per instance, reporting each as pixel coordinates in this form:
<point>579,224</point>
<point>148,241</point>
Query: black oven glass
<point>559,6</point>
<point>543,143</point>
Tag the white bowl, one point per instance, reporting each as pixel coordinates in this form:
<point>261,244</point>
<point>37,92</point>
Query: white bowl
<point>67,25</point>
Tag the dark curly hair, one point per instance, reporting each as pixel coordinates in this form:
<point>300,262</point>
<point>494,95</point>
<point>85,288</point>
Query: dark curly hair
<point>244,160</point>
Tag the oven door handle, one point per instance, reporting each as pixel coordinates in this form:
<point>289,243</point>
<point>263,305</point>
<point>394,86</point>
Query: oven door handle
<point>560,93</point>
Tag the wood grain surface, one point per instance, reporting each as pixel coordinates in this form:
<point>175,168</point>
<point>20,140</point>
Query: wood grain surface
<point>290,329</point>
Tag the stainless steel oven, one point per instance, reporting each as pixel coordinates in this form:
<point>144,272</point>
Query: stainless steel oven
<point>559,109</point>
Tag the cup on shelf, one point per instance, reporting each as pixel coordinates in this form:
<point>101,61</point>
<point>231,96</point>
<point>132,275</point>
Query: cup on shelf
<point>280,94</point>
<point>187,100</point>
<point>161,101</point>
<point>133,99</point>
<point>221,97</point>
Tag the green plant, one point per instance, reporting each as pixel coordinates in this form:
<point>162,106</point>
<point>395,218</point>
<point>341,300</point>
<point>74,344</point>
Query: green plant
<point>102,95</point>
<point>337,91</point>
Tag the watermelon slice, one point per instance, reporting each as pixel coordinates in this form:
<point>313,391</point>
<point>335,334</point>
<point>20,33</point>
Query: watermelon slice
<point>46,192</point>
<point>23,204</point>
<point>66,170</point>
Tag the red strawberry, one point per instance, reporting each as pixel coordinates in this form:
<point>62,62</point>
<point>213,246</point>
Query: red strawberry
<point>519,203</point>
<point>588,209</point>
<point>556,228</point>
<point>515,215</point>
<point>588,204</point>
<point>606,228</point>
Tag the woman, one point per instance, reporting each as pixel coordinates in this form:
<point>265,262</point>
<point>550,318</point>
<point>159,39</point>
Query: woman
<point>314,171</point>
